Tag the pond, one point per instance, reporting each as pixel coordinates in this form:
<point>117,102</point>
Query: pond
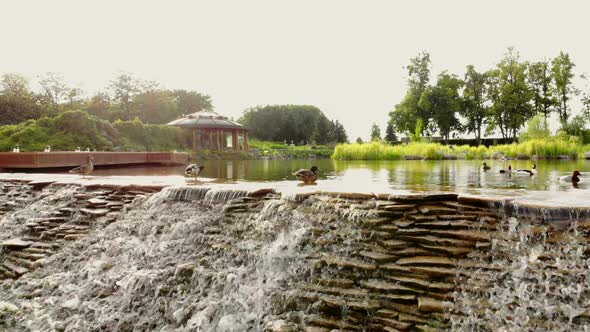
<point>461,176</point>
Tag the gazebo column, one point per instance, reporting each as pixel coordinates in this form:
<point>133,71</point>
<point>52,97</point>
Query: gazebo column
<point>234,139</point>
<point>210,139</point>
<point>218,139</point>
<point>246,140</point>
<point>196,133</point>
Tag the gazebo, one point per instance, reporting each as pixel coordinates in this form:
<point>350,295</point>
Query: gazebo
<point>213,131</point>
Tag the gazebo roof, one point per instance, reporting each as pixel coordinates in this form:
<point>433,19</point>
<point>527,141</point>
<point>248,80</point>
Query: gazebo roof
<point>206,119</point>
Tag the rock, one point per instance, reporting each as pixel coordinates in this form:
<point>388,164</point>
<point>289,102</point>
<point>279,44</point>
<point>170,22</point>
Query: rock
<point>7,307</point>
<point>428,304</point>
<point>426,261</point>
<point>315,329</point>
<point>435,240</point>
<point>377,256</point>
<point>349,263</point>
<point>435,209</point>
<point>95,212</point>
<point>393,323</point>
<point>411,281</point>
<point>73,237</point>
<point>463,235</point>
<point>387,287</point>
<point>398,207</point>
<point>411,319</point>
<point>394,244</point>
<point>420,218</point>
<point>38,185</point>
<point>18,270</point>
<point>16,243</point>
<point>454,251</point>
<point>280,326</point>
<point>587,155</point>
<point>341,283</point>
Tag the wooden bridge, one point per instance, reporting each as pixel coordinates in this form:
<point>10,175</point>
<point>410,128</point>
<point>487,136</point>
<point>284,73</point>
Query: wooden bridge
<point>31,160</point>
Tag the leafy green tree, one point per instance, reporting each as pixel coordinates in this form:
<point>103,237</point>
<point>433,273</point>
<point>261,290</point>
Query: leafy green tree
<point>338,133</point>
<point>511,96</point>
<point>55,89</point>
<point>563,75</point>
<point>390,136</point>
<point>375,133</point>
<point>295,123</point>
<point>444,102</point>
<point>406,113</point>
<point>188,102</point>
<point>359,140</point>
<point>474,110</point>
<point>17,102</point>
<point>123,88</point>
<point>540,79</point>
<point>154,106</point>
<point>537,128</point>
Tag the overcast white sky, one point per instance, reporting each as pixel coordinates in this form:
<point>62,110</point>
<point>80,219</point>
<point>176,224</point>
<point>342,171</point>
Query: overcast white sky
<point>345,57</point>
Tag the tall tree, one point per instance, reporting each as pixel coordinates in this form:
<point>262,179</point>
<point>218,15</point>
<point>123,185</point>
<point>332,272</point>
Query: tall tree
<point>55,90</point>
<point>443,102</point>
<point>390,136</point>
<point>474,110</point>
<point>14,85</point>
<point>406,113</point>
<point>563,75</point>
<point>189,102</point>
<point>124,87</point>
<point>511,101</point>
<point>540,82</point>
<point>375,133</point>
<point>338,132</point>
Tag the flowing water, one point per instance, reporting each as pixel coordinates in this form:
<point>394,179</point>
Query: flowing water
<point>231,256</point>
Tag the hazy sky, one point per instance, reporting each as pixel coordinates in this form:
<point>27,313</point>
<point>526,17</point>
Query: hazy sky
<point>345,57</point>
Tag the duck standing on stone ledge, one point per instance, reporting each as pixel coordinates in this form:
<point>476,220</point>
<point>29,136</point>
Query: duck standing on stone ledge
<point>308,176</point>
<point>193,170</point>
<point>84,169</point>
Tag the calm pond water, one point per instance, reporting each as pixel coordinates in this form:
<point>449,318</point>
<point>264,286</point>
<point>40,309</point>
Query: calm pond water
<point>395,175</point>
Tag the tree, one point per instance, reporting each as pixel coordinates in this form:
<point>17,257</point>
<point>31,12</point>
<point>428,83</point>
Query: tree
<point>443,102</point>
<point>288,122</point>
<point>540,82</point>
<point>406,113</point>
<point>55,90</point>
<point>17,102</point>
<point>359,140</point>
<point>338,132</point>
<point>188,102</point>
<point>474,108</point>
<point>375,133</point>
<point>154,106</point>
<point>537,128</point>
<point>99,105</point>
<point>390,136</point>
<point>511,96</point>
<point>14,85</point>
<point>124,87</point>
<point>563,75</point>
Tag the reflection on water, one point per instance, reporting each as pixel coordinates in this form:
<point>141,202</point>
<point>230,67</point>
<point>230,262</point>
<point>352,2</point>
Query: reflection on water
<point>397,175</point>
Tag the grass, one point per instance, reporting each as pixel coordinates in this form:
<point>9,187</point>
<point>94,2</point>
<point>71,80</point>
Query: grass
<point>277,150</point>
<point>541,148</point>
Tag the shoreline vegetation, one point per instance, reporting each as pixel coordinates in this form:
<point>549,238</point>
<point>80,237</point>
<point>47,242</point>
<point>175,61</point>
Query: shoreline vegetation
<point>550,148</point>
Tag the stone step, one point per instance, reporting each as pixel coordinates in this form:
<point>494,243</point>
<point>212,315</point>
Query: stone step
<point>377,256</point>
<point>28,255</point>
<point>427,261</point>
<point>349,263</point>
<point>18,270</point>
<point>18,261</point>
<point>436,240</point>
<point>7,273</point>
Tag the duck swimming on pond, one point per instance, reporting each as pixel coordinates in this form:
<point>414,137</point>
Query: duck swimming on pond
<point>527,172</point>
<point>308,176</point>
<point>485,167</point>
<point>193,170</point>
<point>85,169</point>
<point>506,171</point>
<point>574,178</point>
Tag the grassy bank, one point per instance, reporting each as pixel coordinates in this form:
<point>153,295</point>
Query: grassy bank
<point>275,150</point>
<point>548,149</point>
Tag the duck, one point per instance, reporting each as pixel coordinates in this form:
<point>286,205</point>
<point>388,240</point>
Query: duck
<point>508,171</point>
<point>85,169</point>
<point>193,170</point>
<point>308,176</point>
<point>527,172</point>
<point>574,178</point>
<point>485,167</point>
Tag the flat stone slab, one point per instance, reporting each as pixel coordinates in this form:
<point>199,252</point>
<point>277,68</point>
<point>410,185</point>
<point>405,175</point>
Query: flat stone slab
<point>16,243</point>
<point>95,212</point>
<point>97,201</point>
<point>426,261</point>
<point>428,304</point>
<point>377,256</point>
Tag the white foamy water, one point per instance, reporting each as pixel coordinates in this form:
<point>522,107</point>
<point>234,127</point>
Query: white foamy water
<point>167,266</point>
